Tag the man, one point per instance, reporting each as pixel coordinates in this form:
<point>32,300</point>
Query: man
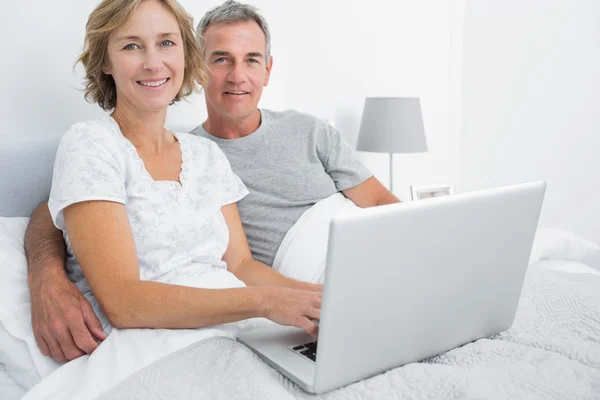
<point>289,161</point>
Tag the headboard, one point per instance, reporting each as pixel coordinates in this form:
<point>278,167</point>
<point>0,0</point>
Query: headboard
<point>26,164</point>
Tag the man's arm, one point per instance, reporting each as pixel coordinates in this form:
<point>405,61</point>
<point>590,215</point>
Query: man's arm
<point>340,162</point>
<point>370,193</point>
<point>62,318</point>
<point>44,245</point>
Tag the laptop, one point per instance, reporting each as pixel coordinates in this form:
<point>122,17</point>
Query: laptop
<point>408,281</point>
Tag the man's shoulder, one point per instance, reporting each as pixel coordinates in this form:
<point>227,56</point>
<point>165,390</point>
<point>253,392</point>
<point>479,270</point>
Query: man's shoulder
<point>296,121</point>
<point>199,132</point>
<point>290,115</point>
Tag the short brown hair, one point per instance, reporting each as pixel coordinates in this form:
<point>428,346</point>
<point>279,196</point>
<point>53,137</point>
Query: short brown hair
<point>108,16</point>
<point>232,12</point>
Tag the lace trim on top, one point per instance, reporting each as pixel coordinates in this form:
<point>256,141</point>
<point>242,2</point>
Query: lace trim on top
<point>183,146</point>
<point>185,162</point>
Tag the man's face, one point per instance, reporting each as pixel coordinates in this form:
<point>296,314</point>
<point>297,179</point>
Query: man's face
<point>237,69</point>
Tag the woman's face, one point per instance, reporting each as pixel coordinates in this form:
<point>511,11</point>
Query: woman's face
<point>146,59</point>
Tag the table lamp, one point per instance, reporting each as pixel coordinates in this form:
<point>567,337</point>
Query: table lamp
<point>392,125</point>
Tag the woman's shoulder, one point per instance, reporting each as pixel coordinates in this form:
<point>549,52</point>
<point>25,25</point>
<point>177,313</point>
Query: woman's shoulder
<point>195,139</point>
<point>93,140</point>
<point>90,133</point>
<point>200,144</point>
<point>203,154</point>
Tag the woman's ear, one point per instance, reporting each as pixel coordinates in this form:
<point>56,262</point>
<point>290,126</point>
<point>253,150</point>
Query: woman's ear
<point>106,69</point>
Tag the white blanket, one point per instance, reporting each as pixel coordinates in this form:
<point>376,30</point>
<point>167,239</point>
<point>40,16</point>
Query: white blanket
<point>126,351</point>
<point>303,251</point>
<point>9,388</point>
<point>129,350</point>
<point>551,352</point>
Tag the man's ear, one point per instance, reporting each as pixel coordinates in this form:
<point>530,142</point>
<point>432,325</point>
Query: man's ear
<point>268,71</point>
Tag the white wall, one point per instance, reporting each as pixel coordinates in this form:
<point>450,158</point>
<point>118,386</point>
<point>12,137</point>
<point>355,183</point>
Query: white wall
<point>531,102</point>
<point>328,55</point>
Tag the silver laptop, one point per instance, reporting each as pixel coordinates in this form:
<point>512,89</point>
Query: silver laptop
<point>408,281</point>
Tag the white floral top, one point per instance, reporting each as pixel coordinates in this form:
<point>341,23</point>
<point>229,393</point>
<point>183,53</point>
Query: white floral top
<point>178,228</point>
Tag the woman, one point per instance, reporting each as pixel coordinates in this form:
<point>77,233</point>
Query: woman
<point>154,239</point>
<point>149,215</point>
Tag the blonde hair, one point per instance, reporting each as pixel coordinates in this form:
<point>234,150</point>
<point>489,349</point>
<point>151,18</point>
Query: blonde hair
<point>110,15</point>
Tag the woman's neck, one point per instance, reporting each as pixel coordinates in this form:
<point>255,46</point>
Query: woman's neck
<point>143,130</point>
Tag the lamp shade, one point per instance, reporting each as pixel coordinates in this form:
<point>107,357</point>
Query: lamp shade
<point>392,125</point>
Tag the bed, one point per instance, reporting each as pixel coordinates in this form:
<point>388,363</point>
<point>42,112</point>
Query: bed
<point>534,359</point>
<point>552,350</point>
<point>9,388</point>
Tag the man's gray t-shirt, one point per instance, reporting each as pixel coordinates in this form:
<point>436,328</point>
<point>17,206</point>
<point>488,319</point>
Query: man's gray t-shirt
<point>288,164</point>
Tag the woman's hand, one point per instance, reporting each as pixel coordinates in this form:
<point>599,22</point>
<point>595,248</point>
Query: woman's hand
<point>293,307</point>
<point>313,287</point>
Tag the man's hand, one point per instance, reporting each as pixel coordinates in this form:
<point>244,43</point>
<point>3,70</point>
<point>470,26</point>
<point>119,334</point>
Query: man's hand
<point>63,321</point>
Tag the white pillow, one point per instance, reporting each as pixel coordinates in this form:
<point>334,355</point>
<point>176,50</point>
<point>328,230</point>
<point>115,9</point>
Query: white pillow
<point>19,352</point>
<point>558,244</point>
<point>574,267</point>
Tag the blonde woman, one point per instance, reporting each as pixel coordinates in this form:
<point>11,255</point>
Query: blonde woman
<point>154,238</point>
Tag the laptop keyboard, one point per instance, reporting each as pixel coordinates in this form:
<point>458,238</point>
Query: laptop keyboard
<point>307,350</point>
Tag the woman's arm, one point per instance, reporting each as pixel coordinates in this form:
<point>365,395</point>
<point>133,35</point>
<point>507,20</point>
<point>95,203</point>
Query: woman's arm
<point>240,262</point>
<point>254,273</point>
<point>103,242</point>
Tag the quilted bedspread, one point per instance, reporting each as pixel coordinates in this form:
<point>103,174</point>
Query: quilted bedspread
<point>552,351</point>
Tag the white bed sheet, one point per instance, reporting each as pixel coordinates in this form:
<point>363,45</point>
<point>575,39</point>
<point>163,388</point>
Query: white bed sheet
<point>9,388</point>
<point>88,385</point>
<point>552,351</point>
<point>573,267</point>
